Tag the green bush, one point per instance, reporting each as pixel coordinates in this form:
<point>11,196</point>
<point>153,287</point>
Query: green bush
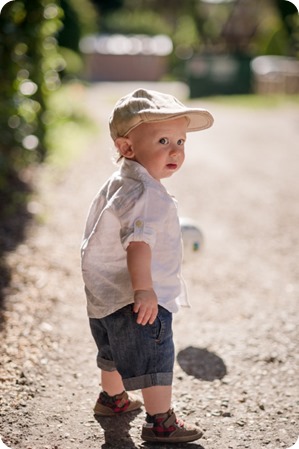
<point>79,18</point>
<point>135,22</point>
<point>38,47</point>
<point>29,72</point>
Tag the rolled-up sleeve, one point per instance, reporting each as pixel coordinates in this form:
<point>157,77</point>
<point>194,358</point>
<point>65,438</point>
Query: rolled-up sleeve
<point>143,219</point>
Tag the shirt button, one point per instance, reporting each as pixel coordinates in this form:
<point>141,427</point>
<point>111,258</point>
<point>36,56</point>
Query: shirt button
<point>139,224</point>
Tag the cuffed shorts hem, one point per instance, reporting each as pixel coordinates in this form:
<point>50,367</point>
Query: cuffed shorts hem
<point>148,380</point>
<point>106,365</point>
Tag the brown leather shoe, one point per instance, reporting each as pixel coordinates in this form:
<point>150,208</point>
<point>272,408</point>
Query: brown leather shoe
<point>165,427</point>
<point>114,405</point>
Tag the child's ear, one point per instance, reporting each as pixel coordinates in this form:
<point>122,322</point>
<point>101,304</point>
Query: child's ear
<point>124,146</point>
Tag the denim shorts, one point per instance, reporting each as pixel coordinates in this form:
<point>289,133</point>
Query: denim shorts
<point>143,355</point>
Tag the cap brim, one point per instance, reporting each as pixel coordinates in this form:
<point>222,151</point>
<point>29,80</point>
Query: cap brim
<point>199,119</point>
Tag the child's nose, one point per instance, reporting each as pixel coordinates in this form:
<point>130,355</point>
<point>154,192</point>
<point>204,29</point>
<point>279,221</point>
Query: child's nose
<point>175,149</point>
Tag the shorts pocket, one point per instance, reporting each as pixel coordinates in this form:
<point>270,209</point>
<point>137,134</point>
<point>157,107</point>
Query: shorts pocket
<point>161,326</point>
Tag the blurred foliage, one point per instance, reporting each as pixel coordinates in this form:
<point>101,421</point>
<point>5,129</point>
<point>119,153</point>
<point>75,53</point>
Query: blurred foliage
<point>277,30</point>
<point>106,6</point>
<point>79,18</point>
<point>289,27</point>
<point>32,65</point>
<point>135,22</point>
<point>79,14</point>
<point>197,26</point>
<point>69,34</point>
<point>70,128</point>
<point>29,72</point>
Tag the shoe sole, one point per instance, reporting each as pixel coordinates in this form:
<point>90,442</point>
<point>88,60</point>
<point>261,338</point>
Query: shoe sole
<point>183,439</point>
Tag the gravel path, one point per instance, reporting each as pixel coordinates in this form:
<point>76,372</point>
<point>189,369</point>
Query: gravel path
<point>236,372</point>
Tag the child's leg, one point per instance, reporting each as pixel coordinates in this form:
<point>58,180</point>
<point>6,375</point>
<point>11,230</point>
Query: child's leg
<point>114,399</point>
<point>161,423</point>
<point>112,382</point>
<point>157,399</point>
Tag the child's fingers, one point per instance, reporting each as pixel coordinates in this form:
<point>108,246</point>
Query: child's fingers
<point>146,316</point>
<point>153,316</point>
<point>136,307</point>
<point>146,306</point>
<point>143,316</point>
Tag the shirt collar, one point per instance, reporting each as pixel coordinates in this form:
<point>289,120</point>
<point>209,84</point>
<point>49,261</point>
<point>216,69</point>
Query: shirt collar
<point>133,169</point>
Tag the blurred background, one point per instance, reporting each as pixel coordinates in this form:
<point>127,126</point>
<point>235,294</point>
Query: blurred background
<point>215,47</point>
<point>63,65</point>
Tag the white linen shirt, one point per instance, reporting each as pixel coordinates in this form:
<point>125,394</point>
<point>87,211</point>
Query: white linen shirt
<point>131,206</point>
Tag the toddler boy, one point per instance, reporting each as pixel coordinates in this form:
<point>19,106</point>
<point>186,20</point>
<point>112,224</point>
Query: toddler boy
<point>131,261</point>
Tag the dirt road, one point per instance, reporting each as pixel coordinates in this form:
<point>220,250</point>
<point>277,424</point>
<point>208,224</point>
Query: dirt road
<point>236,372</point>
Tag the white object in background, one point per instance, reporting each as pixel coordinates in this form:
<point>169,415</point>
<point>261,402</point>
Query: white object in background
<point>192,239</point>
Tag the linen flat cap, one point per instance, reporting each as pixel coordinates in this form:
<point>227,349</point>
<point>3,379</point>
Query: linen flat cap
<point>144,106</point>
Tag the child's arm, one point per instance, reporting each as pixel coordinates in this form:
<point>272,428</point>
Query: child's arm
<point>139,266</point>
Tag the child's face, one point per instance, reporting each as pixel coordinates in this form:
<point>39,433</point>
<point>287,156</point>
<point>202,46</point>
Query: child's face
<point>159,146</point>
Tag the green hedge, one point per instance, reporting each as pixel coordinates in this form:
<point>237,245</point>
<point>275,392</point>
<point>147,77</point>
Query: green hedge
<point>29,72</point>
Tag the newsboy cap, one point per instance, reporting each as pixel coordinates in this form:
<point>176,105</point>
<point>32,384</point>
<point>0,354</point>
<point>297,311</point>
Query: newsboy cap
<point>145,106</point>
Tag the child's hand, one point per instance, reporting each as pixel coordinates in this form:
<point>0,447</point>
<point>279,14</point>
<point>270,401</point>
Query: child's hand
<point>146,305</point>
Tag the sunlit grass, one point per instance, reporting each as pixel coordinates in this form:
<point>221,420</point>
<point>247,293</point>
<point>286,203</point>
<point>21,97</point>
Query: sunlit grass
<point>70,128</point>
<point>256,100</point>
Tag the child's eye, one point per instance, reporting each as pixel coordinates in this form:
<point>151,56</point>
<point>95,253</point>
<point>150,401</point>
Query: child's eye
<point>181,142</point>
<point>164,141</point>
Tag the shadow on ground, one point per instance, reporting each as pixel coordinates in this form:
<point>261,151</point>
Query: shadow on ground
<point>14,218</point>
<point>116,430</point>
<point>174,445</point>
<point>201,363</point>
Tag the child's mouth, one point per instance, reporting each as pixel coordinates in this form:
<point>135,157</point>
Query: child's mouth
<point>172,166</point>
